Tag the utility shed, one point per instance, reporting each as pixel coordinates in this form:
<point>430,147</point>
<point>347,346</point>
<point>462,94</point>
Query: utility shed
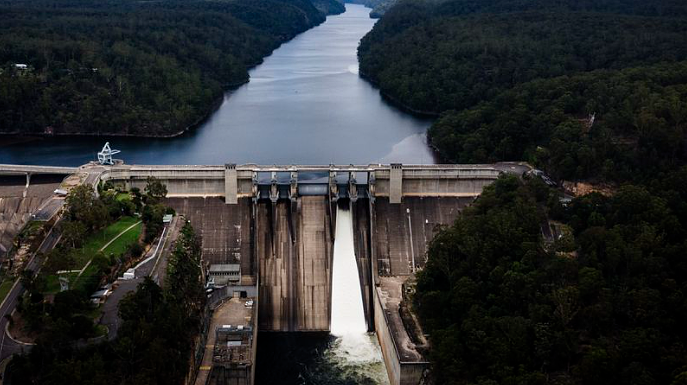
<point>223,274</point>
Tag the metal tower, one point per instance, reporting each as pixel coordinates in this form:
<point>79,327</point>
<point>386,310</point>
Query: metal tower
<point>105,155</point>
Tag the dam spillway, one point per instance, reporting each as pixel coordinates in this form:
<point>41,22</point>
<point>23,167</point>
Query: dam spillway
<point>269,231</point>
<point>294,249</point>
<point>278,223</point>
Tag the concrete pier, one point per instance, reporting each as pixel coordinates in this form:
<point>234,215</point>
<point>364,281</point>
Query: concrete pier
<point>363,255</point>
<point>315,252</point>
<point>276,255</point>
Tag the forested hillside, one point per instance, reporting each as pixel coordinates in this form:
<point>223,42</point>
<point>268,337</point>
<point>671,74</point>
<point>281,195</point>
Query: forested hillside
<point>379,7</point>
<point>329,7</point>
<point>604,304</point>
<point>587,90</point>
<point>481,63</point>
<point>133,68</point>
<point>638,128</point>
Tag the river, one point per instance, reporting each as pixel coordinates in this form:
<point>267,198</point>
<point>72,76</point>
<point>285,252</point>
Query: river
<point>305,104</point>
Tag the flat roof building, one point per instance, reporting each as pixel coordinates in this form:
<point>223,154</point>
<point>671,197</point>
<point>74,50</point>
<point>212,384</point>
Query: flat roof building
<point>223,274</point>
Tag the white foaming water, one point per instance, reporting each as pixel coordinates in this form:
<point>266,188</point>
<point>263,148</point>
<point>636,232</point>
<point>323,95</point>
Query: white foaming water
<point>348,317</point>
<point>354,351</point>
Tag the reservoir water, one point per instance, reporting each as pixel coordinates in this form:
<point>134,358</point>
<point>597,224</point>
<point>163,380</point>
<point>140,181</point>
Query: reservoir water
<point>305,104</point>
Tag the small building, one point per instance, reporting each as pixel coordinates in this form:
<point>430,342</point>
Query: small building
<point>130,274</point>
<point>233,355</point>
<point>224,274</point>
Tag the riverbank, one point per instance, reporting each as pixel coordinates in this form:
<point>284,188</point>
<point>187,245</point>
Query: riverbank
<point>397,102</point>
<point>153,74</point>
<point>8,138</point>
<point>304,104</point>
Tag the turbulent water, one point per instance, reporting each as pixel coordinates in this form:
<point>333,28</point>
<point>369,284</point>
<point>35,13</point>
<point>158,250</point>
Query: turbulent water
<point>354,350</point>
<point>349,355</point>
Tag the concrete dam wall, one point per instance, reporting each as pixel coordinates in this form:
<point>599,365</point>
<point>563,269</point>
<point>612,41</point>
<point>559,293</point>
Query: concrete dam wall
<point>276,225</point>
<point>268,235</point>
<point>294,250</point>
<point>279,226</point>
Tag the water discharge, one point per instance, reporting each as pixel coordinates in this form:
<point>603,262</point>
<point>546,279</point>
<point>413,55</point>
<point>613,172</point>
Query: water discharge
<point>354,351</point>
<point>348,317</point>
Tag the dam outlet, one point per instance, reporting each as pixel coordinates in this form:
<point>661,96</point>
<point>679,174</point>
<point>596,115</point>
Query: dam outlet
<point>353,351</point>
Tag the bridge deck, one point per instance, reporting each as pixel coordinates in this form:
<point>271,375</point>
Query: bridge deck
<point>13,169</point>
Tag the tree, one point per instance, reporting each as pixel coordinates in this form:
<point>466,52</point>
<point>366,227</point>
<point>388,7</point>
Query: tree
<point>155,190</point>
<point>137,199</point>
<point>59,259</point>
<point>73,232</point>
<point>79,201</point>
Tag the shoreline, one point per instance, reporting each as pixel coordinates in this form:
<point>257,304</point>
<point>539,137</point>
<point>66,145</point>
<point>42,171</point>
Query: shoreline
<point>14,138</point>
<point>9,138</point>
<point>396,103</point>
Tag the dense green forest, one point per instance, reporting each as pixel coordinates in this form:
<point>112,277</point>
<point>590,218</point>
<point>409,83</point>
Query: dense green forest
<point>519,80</point>
<point>379,7</point>
<point>638,131</point>
<point>133,68</point>
<point>604,304</point>
<point>586,90</point>
<point>329,7</point>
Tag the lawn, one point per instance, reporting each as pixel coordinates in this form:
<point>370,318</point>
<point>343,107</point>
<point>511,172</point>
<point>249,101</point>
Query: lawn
<point>96,241</point>
<point>121,244</point>
<point>5,287</point>
<point>52,283</point>
<point>122,196</point>
<point>90,274</point>
<point>91,247</point>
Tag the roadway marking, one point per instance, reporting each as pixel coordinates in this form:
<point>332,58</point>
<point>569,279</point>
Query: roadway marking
<point>7,333</point>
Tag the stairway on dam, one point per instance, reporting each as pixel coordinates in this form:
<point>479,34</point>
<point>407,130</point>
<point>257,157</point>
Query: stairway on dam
<point>402,231</point>
<point>225,230</point>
